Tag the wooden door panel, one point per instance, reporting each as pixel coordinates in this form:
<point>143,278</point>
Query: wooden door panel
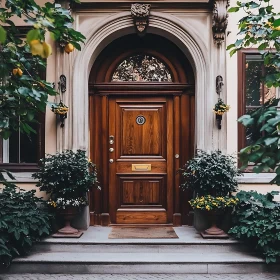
<point>142,138</point>
<point>149,216</point>
<point>141,129</point>
<point>142,191</point>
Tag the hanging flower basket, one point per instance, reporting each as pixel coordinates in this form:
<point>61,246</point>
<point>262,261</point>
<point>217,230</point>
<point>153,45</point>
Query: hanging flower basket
<point>219,109</point>
<point>60,110</point>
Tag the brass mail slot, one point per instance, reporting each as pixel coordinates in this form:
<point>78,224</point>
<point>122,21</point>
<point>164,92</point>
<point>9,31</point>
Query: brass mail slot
<point>141,167</point>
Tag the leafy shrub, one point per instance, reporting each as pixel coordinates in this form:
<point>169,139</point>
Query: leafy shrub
<point>211,173</point>
<point>23,221</point>
<point>257,222</point>
<point>66,175</point>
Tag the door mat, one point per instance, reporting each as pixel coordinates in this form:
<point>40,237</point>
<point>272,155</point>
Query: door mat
<point>142,233</point>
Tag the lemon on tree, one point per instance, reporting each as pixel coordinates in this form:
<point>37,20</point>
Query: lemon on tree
<point>17,71</point>
<point>42,49</point>
<point>37,46</point>
<point>47,50</point>
<point>69,48</point>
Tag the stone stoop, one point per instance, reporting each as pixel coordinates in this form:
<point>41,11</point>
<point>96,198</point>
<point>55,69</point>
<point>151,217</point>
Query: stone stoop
<point>94,253</point>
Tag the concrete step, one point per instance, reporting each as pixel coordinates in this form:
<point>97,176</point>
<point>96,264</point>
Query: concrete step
<point>93,247</point>
<point>95,253</point>
<point>95,240</point>
<point>131,263</point>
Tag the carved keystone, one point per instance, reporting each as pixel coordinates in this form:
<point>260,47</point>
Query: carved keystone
<point>140,14</point>
<point>220,20</point>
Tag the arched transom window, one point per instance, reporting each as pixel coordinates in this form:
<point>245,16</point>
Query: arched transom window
<point>142,68</point>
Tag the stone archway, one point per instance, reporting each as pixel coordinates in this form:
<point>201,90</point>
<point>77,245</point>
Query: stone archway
<point>121,24</point>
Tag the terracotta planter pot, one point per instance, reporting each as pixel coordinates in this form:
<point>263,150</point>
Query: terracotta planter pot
<point>68,214</point>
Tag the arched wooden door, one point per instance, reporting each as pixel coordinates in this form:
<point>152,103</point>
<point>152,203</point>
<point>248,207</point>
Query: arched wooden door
<point>141,131</point>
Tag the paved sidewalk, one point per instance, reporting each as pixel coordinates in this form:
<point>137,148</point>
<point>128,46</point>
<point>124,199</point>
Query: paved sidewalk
<point>260,276</point>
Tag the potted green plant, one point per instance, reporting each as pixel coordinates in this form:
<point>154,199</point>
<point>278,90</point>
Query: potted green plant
<point>212,174</point>
<point>215,206</point>
<point>67,177</point>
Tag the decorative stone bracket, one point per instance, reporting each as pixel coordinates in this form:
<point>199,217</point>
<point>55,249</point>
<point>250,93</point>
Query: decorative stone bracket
<point>140,14</point>
<point>220,20</point>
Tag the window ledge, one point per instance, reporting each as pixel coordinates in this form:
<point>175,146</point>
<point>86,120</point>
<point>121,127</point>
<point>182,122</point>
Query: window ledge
<point>20,167</point>
<point>21,177</point>
<point>256,178</point>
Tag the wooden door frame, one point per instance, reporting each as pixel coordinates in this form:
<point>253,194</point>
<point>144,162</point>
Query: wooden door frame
<point>101,88</point>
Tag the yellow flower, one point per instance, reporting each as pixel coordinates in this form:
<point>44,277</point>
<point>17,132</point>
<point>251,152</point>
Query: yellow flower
<point>207,207</point>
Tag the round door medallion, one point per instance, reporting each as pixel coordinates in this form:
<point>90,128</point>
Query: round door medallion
<point>140,120</point>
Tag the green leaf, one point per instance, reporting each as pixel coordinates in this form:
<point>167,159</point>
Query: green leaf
<point>246,120</point>
<point>246,150</point>
<point>258,169</point>
<point>232,52</point>
<point>275,34</point>
<point>3,35</point>
<point>24,91</point>
<point>253,5</point>
<point>238,42</point>
<point>233,9</point>
<point>263,46</point>
<point>11,176</point>
<point>27,128</point>
<point>30,115</point>
<point>270,140</point>
<point>6,134</point>
<point>33,34</point>
<point>276,23</point>
<point>230,46</point>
